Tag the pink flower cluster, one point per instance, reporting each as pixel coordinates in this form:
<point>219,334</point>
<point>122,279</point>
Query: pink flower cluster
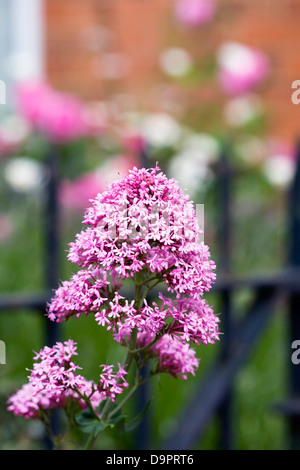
<point>145,225</point>
<point>60,116</point>
<point>112,384</point>
<point>191,320</point>
<point>86,292</point>
<point>54,381</point>
<point>172,355</point>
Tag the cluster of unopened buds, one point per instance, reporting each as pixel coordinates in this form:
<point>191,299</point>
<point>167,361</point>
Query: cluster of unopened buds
<point>142,230</point>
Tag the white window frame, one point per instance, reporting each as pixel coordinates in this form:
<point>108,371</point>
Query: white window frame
<point>25,48</point>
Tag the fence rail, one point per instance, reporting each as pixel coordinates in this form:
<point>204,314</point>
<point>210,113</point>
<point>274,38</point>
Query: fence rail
<point>213,390</point>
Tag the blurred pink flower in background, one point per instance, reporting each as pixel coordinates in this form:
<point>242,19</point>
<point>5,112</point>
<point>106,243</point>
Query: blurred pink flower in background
<point>75,195</point>
<point>13,132</point>
<point>94,118</point>
<point>133,142</point>
<point>194,13</point>
<point>7,146</point>
<point>280,165</point>
<point>241,68</point>
<point>283,148</point>
<point>6,228</point>
<point>60,116</point>
<point>241,110</point>
<point>116,168</point>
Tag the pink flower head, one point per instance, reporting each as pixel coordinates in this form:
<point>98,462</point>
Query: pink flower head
<point>143,223</point>
<point>174,357</point>
<point>54,371</point>
<point>84,293</point>
<point>241,68</point>
<point>28,402</point>
<point>53,382</point>
<point>60,116</point>
<point>112,384</point>
<point>193,13</point>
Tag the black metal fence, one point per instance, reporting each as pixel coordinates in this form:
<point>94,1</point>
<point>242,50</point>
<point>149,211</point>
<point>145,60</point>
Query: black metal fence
<point>214,394</point>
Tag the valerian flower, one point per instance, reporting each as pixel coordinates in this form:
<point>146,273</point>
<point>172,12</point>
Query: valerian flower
<point>142,227</point>
<point>141,231</point>
<point>54,381</point>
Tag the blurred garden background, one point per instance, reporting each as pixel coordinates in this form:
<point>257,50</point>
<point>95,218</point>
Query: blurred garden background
<point>112,84</point>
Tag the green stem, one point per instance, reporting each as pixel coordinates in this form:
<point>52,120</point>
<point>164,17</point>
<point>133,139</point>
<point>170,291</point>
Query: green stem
<point>127,363</point>
<point>45,418</point>
<point>87,402</point>
<point>129,395</point>
<point>159,335</point>
<point>132,342</point>
<point>138,288</point>
<point>91,441</point>
<point>119,407</point>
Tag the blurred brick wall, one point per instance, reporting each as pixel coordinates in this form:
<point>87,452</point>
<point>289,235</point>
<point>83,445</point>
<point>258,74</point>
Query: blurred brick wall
<point>77,48</point>
<point>80,60</point>
<point>273,26</point>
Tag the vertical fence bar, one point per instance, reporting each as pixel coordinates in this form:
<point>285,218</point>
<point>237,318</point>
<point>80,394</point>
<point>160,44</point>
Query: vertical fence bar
<point>225,217</point>
<point>143,154</point>
<point>51,218</point>
<point>294,304</point>
<point>52,236</point>
<point>142,435</point>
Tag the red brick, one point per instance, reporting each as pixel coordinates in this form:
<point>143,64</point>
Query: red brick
<point>144,27</point>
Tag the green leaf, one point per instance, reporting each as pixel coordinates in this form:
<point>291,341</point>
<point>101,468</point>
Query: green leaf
<point>88,423</point>
<point>116,419</point>
<point>122,427</point>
